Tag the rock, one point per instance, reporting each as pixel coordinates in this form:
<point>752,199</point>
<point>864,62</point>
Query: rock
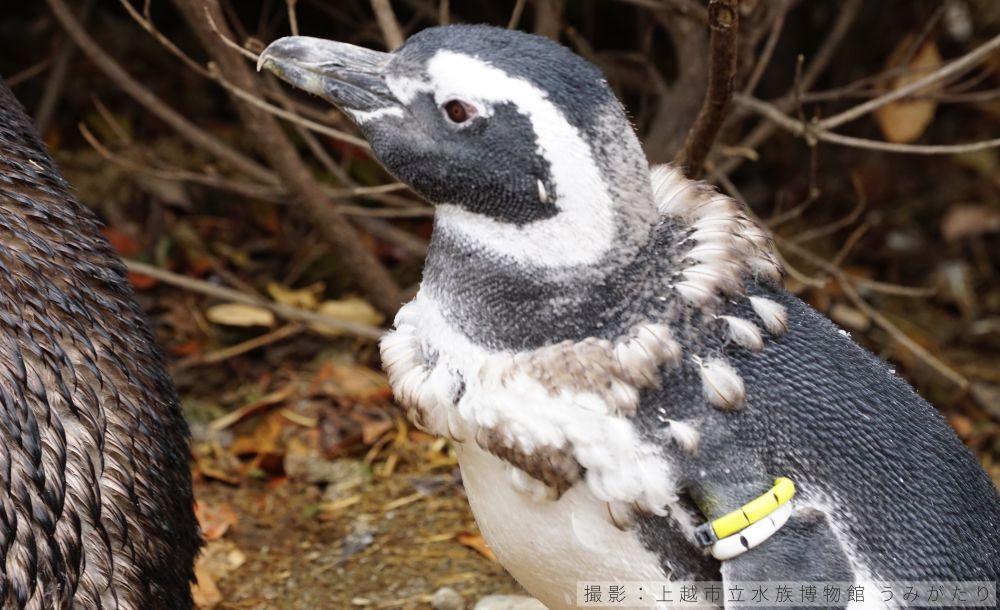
<point>447,598</point>
<point>310,466</point>
<point>509,602</point>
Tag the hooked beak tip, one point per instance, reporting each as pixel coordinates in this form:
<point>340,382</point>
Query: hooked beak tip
<point>349,76</point>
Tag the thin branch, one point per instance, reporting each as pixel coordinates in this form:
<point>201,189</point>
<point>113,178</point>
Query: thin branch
<point>168,44</point>
<point>772,42</point>
<point>444,12</point>
<point>197,136</point>
<point>292,314</point>
<point>273,144</point>
<point>266,192</point>
<point>388,23</point>
<point>214,75</point>
<point>28,73</point>
<point>515,15</point>
<point>226,40</point>
<point>225,353</point>
<point>951,69</point>
<point>840,223</point>
<point>723,17</point>
<point>688,8</point>
<point>57,76</point>
<point>549,18</point>
<point>903,339</point>
<point>827,51</point>
<point>813,132</point>
<point>293,19</point>
<point>861,282</point>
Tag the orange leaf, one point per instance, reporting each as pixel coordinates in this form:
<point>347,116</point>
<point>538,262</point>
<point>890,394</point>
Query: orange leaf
<point>205,592</point>
<point>215,520</point>
<point>188,348</point>
<point>476,542</point>
<point>125,245</point>
<point>142,282</point>
<point>904,121</point>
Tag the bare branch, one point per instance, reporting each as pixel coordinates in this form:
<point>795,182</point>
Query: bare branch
<point>444,12</point>
<point>813,131</point>
<point>515,15</point>
<point>827,51</point>
<point>549,18</point>
<point>293,314</point>
<point>387,22</point>
<point>903,339</point>
<point>723,17</point>
<point>293,18</point>
<point>272,143</point>
<point>197,136</point>
<point>258,101</point>
<point>772,42</point>
<point>948,70</point>
<point>160,38</point>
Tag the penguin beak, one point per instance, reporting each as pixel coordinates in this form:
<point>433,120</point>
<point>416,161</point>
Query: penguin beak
<point>350,77</point>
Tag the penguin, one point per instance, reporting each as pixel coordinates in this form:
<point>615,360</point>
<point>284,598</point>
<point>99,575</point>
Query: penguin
<point>632,395</point>
<point>96,506</point>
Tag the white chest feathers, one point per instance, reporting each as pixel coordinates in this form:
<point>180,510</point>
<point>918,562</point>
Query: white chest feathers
<point>551,547</point>
<point>554,428</point>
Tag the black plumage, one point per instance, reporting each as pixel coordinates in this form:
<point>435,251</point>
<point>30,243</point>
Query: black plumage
<point>96,507</point>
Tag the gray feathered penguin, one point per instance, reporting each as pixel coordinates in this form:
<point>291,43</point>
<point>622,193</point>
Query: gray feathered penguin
<point>611,351</point>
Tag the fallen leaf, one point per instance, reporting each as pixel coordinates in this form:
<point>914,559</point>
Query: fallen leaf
<point>351,309</point>
<point>264,439</point>
<point>215,519</point>
<point>303,298</point>
<point>122,242</point>
<point>904,121</point>
<point>476,542</point>
<point>188,348</point>
<point>963,425</point>
<point>354,381</point>
<point>218,559</point>
<point>964,221</point>
<point>205,592</point>
<point>262,403</point>
<point>239,314</point>
<point>142,282</point>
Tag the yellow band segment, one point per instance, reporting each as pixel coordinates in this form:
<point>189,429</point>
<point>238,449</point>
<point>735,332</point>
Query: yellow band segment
<point>755,510</point>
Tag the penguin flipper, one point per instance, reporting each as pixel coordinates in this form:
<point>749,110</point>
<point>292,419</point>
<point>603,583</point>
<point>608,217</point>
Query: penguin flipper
<point>804,550</point>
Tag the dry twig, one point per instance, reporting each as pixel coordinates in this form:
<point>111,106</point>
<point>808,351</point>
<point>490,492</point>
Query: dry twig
<point>366,270</point>
<point>949,70</point>
<point>387,22</point>
<point>111,68</point>
<point>292,314</point>
<point>813,132</point>
<point>723,19</point>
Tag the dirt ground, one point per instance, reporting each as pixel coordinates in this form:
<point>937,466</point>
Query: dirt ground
<point>391,549</point>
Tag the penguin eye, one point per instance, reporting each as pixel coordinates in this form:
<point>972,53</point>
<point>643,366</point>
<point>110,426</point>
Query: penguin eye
<point>458,111</point>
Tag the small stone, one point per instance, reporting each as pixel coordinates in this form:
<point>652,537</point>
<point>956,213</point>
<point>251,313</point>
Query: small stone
<point>509,602</point>
<point>447,598</point>
<point>310,466</point>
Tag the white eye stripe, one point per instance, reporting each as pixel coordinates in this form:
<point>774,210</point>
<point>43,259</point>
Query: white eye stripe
<point>586,210</point>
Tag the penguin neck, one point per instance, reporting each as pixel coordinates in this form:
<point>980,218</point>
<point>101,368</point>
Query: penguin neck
<point>504,303</point>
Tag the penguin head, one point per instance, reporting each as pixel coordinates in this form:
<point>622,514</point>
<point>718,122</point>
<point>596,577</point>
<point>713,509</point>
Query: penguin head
<point>509,134</point>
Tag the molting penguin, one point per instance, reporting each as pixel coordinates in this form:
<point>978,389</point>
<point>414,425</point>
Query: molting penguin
<point>632,394</point>
<point>96,509</point>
